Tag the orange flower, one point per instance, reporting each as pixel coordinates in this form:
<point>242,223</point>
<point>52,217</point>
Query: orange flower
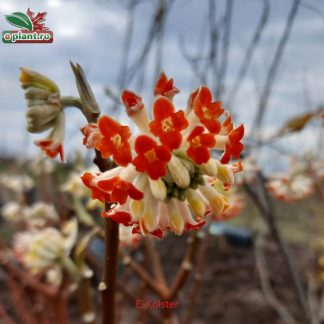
<point>120,217</point>
<point>151,157</point>
<point>165,87</point>
<point>92,135</point>
<point>167,123</point>
<point>233,147</point>
<point>208,111</point>
<point>112,190</point>
<point>114,141</point>
<point>132,102</point>
<point>53,144</point>
<point>51,148</point>
<point>200,144</point>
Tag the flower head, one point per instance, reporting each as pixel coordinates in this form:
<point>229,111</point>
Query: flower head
<point>165,87</point>
<point>165,180</point>
<point>167,123</point>
<point>114,141</point>
<point>208,111</point>
<point>200,144</point>
<point>151,157</point>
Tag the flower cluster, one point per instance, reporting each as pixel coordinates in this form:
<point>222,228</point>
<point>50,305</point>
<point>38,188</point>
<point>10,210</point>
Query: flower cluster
<point>47,250</point>
<point>44,111</point>
<point>291,187</point>
<point>163,178</point>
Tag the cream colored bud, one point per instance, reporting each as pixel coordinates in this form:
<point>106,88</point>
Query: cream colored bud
<point>225,174</point>
<point>215,199</point>
<point>189,166</point>
<point>196,203</point>
<point>34,93</point>
<point>158,189</point>
<point>175,217</point>
<point>179,172</point>
<point>29,78</point>
<point>210,168</point>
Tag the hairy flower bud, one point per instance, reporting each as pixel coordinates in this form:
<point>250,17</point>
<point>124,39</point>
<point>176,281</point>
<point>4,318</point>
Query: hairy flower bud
<point>43,100</point>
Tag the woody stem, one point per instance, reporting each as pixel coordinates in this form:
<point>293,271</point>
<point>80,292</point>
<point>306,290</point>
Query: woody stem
<point>110,271</point>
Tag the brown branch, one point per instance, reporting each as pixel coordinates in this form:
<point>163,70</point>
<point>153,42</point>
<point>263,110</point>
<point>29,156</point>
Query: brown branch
<point>110,270</point>
<point>155,260</point>
<point>129,295</point>
<point>201,261</point>
<point>265,284</point>
<point>26,279</point>
<point>186,266</point>
<point>155,286</point>
<point>266,209</point>
<point>4,316</point>
<point>17,295</point>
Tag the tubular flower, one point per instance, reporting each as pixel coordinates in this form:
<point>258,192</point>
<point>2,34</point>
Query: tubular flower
<point>167,123</point>
<point>114,141</point>
<point>167,182</point>
<point>165,87</point>
<point>53,144</point>
<point>208,111</point>
<point>200,144</point>
<point>115,189</point>
<point>151,157</point>
<point>92,135</point>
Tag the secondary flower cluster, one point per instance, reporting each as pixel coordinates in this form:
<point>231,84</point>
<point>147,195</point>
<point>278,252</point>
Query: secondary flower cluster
<point>44,111</point>
<point>164,175</point>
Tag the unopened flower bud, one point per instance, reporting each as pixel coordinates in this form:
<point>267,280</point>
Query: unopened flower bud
<point>209,168</point>
<point>175,217</point>
<point>225,174</point>
<point>179,172</point>
<point>215,199</point>
<point>43,100</point>
<point>158,188</point>
<point>196,202</point>
<point>29,78</point>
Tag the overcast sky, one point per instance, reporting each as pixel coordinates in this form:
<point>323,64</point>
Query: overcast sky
<point>91,33</point>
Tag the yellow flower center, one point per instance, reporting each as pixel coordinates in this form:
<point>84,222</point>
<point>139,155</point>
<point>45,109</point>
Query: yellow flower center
<point>167,124</point>
<point>196,142</point>
<point>116,139</point>
<point>206,113</point>
<point>150,156</point>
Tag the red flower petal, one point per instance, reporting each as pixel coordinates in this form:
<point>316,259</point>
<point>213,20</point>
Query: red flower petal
<point>123,156</point>
<point>120,217</point>
<point>134,193</point>
<point>143,144</point>
<point>162,108</point>
<point>108,126</point>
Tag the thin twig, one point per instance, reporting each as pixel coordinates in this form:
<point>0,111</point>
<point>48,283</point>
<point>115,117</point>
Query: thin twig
<point>273,69</point>
<point>201,262</point>
<point>145,276</point>
<point>248,55</point>
<point>265,283</point>
<point>225,48</point>
<point>186,266</point>
<point>155,260</point>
